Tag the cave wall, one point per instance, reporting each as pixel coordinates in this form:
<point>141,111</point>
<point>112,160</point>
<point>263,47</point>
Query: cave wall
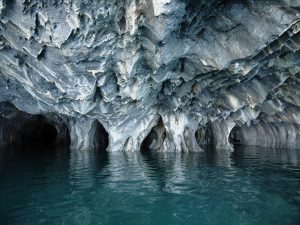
<point>116,69</point>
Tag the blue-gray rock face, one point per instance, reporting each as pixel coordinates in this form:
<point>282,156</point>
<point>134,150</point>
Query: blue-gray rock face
<point>169,75</point>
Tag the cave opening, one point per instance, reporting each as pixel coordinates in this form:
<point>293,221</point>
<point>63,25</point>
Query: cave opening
<point>234,137</point>
<point>154,140</point>
<point>101,140</point>
<point>204,136</point>
<point>21,130</point>
<point>36,133</point>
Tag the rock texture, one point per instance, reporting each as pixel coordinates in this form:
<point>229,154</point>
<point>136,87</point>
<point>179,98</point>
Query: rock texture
<point>169,75</point>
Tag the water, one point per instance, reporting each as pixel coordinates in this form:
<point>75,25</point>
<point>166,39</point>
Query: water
<point>250,186</point>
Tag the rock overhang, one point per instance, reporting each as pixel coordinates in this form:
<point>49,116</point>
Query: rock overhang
<point>193,67</point>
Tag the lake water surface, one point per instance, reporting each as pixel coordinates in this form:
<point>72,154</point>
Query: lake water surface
<point>250,186</point>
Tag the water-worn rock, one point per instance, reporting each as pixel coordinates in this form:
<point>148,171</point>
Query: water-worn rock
<point>172,75</point>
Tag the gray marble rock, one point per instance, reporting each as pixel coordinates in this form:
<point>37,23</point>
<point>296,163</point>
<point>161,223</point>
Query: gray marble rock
<point>169,75</point>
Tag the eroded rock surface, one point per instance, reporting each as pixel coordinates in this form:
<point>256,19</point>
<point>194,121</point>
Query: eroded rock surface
<point>174,75</point>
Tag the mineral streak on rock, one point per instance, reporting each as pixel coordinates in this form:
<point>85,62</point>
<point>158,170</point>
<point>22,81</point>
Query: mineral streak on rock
<point>166,75</point>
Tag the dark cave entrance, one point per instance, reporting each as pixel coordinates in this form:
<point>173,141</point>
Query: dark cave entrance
<point>20,130</point>
<point>204,136</point>
<point>234,137</point>
<point>37,132</point>
<point>101,137</point>
<point>154,140</point>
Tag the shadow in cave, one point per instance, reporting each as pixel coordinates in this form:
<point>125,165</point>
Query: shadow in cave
<point>39,139</point>
<point>37,133</point>
<point>204,136</point>
<point>155,139</point>
<point>101,138</point>
<point>22,131</point>
<point>234,138</point>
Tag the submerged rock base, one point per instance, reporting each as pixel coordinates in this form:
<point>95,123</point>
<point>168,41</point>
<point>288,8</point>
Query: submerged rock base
<point>165,75</point>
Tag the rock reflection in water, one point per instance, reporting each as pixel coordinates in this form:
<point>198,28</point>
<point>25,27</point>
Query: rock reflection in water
<point>247,186</point>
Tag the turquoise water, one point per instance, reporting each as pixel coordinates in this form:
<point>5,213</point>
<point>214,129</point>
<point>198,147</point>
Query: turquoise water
<point>250,186</point>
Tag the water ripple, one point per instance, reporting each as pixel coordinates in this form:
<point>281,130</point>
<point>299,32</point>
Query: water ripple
<point>249,186</point>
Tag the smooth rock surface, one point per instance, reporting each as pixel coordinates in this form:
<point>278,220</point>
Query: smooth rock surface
<point>174,75</point>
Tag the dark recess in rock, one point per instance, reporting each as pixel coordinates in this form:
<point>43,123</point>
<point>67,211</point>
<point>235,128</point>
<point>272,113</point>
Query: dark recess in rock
<point>21,130</point>
<point>155,139</point>
<point>37,133</point>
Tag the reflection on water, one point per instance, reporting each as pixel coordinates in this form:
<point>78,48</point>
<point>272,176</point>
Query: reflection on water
<point>249,186</point>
